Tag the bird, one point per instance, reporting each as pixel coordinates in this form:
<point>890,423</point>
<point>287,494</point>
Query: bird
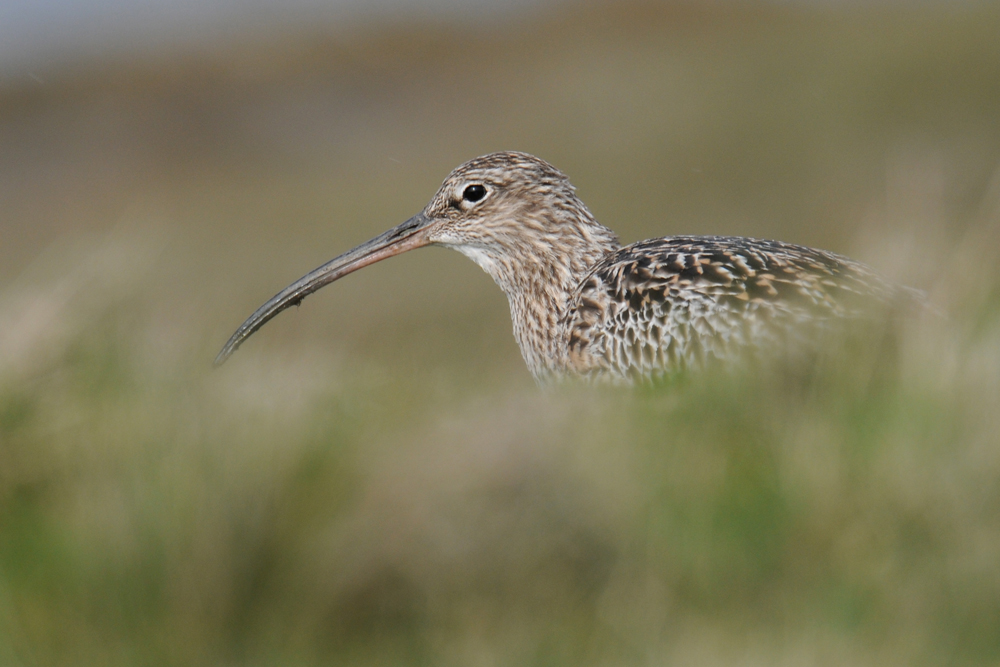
<point>585,306</point>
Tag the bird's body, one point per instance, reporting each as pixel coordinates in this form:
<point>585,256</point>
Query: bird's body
<point>680,302</point>
<point>582,305</point>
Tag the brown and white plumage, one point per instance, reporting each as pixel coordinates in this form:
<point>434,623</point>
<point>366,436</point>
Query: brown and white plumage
<point>678,302</point>
<point>582,304</point>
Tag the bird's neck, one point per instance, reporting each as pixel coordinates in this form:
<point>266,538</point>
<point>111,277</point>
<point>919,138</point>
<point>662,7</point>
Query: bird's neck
<point>539,278</point>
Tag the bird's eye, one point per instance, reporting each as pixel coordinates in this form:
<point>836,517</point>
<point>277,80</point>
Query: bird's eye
<point>474,193</point>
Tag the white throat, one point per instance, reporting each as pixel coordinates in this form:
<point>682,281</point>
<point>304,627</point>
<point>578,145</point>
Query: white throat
<point>486,262</point>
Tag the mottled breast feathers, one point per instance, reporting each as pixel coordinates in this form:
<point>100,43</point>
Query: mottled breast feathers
<point>673,303</point>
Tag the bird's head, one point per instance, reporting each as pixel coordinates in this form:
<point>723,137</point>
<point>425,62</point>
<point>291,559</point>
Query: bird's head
<point>512,213</point>
<point>498,201</point>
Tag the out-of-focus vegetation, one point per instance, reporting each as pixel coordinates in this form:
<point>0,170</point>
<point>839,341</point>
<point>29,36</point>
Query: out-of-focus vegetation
<point>373,478</point>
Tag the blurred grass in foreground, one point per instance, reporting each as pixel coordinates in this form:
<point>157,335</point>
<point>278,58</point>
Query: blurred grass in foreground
<point>307,510</point>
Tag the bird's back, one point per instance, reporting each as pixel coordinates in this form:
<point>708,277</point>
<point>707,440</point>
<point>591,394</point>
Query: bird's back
<point>672,303</point>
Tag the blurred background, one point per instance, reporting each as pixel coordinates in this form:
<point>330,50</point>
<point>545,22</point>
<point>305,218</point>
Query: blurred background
<point>374,479</point>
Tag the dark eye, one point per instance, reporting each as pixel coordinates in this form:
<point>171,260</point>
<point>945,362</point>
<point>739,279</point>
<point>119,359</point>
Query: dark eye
<point>474,193</point>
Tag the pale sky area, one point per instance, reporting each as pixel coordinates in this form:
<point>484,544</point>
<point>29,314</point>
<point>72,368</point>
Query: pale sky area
<point>39,33</point>
<point>35,34</point>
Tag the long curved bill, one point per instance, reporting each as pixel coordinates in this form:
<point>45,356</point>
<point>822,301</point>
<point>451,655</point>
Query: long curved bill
<point>406,236</point>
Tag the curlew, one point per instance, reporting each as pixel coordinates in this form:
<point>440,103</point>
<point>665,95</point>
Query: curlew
<point>583,305</point>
